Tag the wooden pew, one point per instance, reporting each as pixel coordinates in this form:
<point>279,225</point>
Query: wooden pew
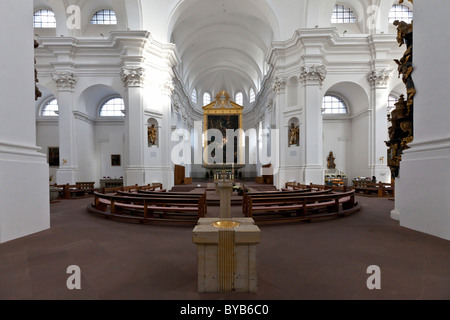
<point>305,207</point>
<point>171,195</point>
<point>379,189</point>
<point>143,209</point>
<point>278,194</point>
<point>79,189</point>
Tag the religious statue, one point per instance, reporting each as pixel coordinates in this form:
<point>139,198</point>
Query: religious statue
<point>330,161</point>
<point>294,132</point>
<point>403,29</point>
<point>152,131</point>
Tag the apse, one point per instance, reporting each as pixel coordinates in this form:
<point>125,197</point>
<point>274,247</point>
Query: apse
<point>222,45</point>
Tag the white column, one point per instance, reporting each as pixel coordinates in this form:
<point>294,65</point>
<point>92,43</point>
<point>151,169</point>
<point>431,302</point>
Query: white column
<point>68,168</point>
<point>422,197</point>
<point>312,78</point>
<point>278,146</point>
<point>379,130</point>
<point>135,129</point>
<point>24,171</point>
<point>167,166</point>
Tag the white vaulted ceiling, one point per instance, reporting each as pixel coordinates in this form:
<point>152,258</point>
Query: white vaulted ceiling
<point>222,45</point>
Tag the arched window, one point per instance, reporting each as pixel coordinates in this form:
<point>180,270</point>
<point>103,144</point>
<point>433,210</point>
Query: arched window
<point>252,95</point>
<point>105,16</point>
<point>239,98</point>
<point>194,96</point>
<point>44,19</point>
<point>333,105</point>
<point>400,12</point>
<point>206,98</point>
<point>50,109</point>
<point>342,14</point>
<point>113,107</point>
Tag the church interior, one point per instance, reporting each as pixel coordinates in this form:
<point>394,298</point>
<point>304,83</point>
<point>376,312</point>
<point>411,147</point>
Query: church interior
<point>321,123</point>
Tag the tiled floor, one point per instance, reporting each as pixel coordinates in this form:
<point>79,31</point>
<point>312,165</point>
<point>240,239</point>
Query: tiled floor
<point>323,260</point>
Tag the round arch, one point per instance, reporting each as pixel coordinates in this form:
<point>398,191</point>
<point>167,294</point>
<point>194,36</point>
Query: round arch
<point>93,97</point>
<point>354,95</point>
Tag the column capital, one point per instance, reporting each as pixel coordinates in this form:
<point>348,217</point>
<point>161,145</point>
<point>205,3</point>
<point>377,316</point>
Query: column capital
<point>279,84</point>
<point>168,87</point>
<point>65,80</point>
<point>380,78</point>
<point>315,74</point>
<point>132,76</point>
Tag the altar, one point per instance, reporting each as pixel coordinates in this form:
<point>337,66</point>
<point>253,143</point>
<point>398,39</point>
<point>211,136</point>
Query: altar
<point>223,171</point>
<point>223,139</point>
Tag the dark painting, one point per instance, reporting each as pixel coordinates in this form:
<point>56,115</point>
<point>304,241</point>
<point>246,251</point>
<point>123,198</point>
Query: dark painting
<point>53,156</point>
<point>224,123</point>
<point>115,160</point>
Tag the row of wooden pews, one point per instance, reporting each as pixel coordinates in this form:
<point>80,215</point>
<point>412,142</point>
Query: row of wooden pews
<point>379,189</point>
<point>300,204</point>
<point>145,205</point>
<point>87,189</point>
<point>361,187</point>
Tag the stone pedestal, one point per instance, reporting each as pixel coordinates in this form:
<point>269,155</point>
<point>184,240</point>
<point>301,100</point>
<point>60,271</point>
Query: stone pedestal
<point>207,238</point>
<point>224,189</point>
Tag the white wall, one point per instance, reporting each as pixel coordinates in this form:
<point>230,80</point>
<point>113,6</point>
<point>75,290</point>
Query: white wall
<point>337,138</point>
<point>47,136</point>
<point>422,195</point>
<point>24,173</point>
<point>87,165</point>
<point>360,148</point>
<point>109,139</point>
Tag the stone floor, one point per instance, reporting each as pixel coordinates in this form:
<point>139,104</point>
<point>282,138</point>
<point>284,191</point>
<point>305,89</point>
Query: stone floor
<point>320,260</point>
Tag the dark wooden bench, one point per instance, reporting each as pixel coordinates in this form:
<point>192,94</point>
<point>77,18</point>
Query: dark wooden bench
<point>145,209</point>
<point>305,207</point>
<point>169,195</point>
<point>278,194</point>
<point>77,190</point>
<point>297,186</point>
<point>379,189</point>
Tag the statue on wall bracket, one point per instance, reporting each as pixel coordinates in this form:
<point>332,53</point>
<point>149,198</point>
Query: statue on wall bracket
<point>330,161</point>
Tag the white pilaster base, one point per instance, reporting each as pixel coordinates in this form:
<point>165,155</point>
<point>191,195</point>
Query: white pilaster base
<point>383,174</point>
<point>144,176</point>
<point>422,196</point>
<point>134,175</point>
<point>395,215</point>
<point>289,174</point>
<point>25,198</point>
<point>162,175</point>
<point>314,175</point>
<point>66,175</point>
